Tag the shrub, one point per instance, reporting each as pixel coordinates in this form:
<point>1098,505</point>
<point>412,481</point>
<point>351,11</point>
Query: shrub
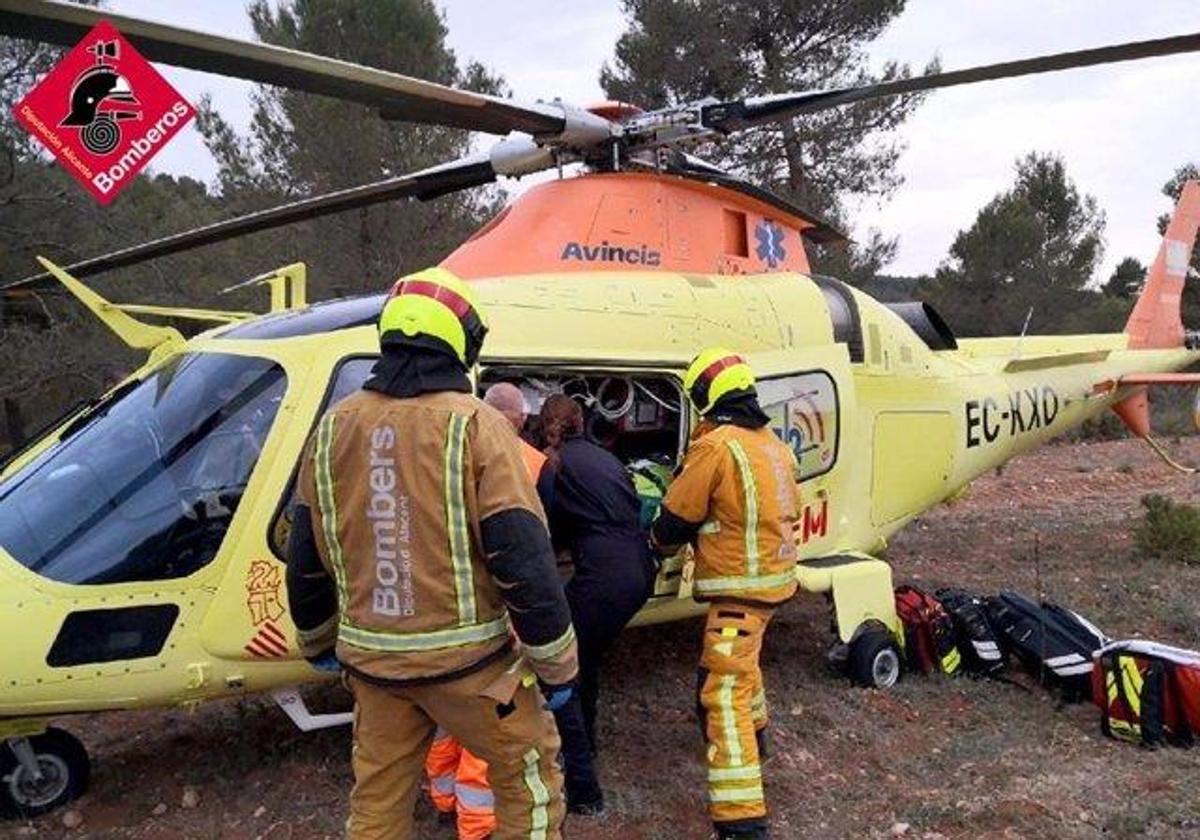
<point>1169,530</point>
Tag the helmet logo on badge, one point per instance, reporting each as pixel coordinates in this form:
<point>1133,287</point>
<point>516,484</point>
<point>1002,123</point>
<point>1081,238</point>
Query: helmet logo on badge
<point>100,98</point>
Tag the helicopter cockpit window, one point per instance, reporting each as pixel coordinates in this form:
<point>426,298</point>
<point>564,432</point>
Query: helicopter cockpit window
<point>843,315</point>
<point>145,487</point>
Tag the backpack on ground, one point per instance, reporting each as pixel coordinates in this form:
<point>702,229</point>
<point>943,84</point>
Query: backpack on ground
<point>1052,641</point>
<point>928,632</point>
<point>977,641</point>
<point>1148,693</point>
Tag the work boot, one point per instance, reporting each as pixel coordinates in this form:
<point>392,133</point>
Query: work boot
<point>741,832</point>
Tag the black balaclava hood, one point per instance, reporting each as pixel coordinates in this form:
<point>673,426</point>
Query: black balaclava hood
<point>739,408</point>
<point>412,366</point>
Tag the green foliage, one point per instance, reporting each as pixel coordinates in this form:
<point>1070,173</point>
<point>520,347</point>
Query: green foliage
<point>823,162</point>
<point>301,145</point>
<point>1032,249</point>
<point>1126,281</point>
<point>1168,530</point>
<point>53,353</point>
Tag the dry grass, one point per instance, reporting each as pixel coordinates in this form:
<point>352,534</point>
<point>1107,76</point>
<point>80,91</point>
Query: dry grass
<point>950,758</point>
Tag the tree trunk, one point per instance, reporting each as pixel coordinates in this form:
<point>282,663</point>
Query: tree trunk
<point>14,425</point>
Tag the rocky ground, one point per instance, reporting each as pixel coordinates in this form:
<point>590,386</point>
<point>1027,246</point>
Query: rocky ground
<point>933,758</point>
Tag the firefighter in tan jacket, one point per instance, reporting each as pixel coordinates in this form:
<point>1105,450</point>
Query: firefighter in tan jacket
<point>419,549</point>
<point>735,498</point>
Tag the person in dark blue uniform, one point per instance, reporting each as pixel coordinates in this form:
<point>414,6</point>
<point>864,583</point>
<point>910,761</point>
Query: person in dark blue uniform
<point>594,512</point>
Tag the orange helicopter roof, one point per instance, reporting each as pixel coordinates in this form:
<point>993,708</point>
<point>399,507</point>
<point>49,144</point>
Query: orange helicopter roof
<point>638,221</point>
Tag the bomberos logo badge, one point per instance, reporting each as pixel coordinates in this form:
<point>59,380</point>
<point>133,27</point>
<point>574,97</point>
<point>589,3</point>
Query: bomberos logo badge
<point>104,112</point>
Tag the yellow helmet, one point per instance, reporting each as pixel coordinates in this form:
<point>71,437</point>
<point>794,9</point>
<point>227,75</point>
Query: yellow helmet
<point>434,304</point>
<point>716,373</point>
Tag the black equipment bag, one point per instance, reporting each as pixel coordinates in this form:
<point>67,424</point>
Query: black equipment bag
<point>1052,641</point>
<point>977,640</point>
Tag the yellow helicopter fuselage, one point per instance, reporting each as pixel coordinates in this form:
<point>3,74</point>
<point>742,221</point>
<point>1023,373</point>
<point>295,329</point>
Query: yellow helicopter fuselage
<point>889,427</point>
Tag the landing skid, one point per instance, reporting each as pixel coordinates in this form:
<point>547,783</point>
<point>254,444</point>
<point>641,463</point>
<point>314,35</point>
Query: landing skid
<point>293,705</point>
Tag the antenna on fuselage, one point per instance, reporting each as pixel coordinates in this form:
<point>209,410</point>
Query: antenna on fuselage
<point>1021,337</point>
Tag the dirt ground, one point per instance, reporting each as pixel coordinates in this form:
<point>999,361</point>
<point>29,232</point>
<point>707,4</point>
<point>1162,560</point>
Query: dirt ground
<point>933,758</point>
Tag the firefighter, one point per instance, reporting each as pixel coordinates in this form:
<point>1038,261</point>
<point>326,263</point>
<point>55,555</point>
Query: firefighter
<point>419,551</point>
<point>735,499</point>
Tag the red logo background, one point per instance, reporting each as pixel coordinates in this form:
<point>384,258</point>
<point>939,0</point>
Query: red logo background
<point>160,112</point>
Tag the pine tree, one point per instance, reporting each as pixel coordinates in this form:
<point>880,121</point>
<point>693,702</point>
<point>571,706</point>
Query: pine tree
<point>681,50</point>
<point>301,145</point>
<point>1030,253</point>
<point>1126,281</point>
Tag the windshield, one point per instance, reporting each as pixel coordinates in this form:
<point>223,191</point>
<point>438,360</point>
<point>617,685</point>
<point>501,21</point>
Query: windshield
<point>145,486</point>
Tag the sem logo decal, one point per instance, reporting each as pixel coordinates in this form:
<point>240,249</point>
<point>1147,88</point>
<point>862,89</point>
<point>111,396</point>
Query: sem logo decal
<point>104,112</point>
<point>263,581</point>
<point>770,243</point>
<point>814,521</point>
<point>604,252</point>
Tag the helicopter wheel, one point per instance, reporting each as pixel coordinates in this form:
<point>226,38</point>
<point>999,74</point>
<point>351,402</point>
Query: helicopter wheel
<point>874,659</point>
<point>62,765</point>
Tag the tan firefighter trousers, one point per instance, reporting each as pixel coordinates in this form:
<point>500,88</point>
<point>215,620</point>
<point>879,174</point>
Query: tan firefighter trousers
<point>496,713</point>
<point>733,708</point>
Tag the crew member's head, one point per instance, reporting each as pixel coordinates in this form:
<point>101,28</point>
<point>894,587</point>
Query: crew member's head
<point>562,418</point>
<point>717,375</point>
<point>433,310</point>
<point>509,401</point>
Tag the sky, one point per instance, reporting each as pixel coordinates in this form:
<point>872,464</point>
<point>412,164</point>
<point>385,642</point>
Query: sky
<point>1123,129</point>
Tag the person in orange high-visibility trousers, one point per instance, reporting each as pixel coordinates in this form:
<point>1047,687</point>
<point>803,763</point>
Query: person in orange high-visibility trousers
<point>510,402</point>
<point>458,786</point>
<point>735,498</point>
<point>457,779</point>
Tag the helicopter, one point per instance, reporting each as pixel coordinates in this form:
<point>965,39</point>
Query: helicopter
<point>142,538</point>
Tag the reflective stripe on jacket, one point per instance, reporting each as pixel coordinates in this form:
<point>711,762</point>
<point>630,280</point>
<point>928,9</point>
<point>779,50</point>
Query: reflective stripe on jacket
<point>737,488</point>
<point>398,490</point>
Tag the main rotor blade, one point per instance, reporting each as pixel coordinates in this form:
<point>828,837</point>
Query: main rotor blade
<point>397,96</point>
<point>747,113</point>
<point>428,183</point>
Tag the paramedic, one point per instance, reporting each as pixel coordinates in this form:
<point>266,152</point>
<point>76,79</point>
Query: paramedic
<point>595,513</point>
<point>458,785</point>
<point>509,401</point>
